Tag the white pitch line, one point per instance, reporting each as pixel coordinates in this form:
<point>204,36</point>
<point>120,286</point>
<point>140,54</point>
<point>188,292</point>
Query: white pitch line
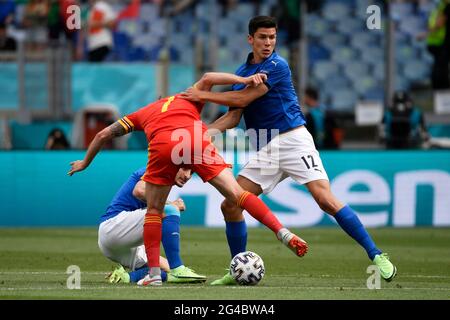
<point>230,287</point>
<point>271,275</point>
<point>48,272</point>
<point>424,276</point>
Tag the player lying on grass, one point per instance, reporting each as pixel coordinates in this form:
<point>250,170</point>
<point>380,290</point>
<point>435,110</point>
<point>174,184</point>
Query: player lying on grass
<point>120,235</point>
<point>177,138</point>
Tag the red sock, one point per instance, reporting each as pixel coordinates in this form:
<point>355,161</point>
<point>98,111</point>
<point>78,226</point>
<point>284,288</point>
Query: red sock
<point>152,237</point>
<point>258,210</point>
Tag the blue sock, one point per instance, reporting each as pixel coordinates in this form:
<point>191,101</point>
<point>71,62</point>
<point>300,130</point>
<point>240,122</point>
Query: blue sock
<point>171,240</point>
<point>138,274</point>
<point>237,236</point>
<point>351,224</point>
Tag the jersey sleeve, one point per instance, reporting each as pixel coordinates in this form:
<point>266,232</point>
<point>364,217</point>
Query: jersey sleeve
<point>276,71</point>
<point>140,172</point>
<point>132,121</point>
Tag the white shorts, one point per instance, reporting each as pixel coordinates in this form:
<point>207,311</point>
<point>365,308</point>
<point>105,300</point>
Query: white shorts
<point>291,154</point>
<point>120,238</point>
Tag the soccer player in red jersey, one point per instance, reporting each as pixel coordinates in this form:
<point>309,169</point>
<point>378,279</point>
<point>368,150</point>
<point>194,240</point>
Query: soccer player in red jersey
<point>178,140</point>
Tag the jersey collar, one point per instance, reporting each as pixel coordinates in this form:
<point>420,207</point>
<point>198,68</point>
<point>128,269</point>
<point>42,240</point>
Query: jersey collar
<point>250,57</point>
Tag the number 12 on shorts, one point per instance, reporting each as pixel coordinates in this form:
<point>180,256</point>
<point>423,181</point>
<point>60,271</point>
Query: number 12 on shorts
<point>309,165</point>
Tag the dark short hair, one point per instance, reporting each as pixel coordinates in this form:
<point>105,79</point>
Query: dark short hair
<point>261,22</point>
<point>312,93</point>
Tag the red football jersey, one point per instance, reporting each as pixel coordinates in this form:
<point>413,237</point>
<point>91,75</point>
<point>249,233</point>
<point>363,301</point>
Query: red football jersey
<point>166,114</point>
<point>166,152</point>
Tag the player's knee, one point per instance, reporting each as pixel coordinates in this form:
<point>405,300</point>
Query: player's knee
<point>230,211</point>
<point>227,207</point>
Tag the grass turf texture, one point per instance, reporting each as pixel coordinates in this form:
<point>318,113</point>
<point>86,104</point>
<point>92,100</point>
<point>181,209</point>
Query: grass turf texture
<point>34,262</point>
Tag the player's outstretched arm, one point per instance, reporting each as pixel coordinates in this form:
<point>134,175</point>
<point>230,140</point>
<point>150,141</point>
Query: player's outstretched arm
<point>238,99</point>
<point>211,79</point>
<point>229,120</point>
<point>107,134</point>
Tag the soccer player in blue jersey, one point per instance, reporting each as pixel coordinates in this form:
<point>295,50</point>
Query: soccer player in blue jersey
<point>120,236</point>
<point>273,108</point>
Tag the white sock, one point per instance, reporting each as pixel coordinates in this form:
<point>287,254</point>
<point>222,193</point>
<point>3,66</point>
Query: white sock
<point>282,234</point>
<point>154,271</point>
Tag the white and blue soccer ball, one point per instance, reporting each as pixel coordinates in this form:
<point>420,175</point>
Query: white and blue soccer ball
<point>247,268</point>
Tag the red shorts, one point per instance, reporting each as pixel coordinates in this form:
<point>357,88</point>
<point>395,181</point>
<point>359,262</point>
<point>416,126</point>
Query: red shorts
<point>169,152</point>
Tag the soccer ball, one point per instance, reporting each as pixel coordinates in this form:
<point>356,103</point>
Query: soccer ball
<point>247,268</point>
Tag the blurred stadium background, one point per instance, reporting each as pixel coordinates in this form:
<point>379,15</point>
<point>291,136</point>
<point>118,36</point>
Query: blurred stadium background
<point>162,49</point>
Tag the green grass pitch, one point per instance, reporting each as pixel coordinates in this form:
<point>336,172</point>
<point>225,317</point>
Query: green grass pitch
<point>34,263</point>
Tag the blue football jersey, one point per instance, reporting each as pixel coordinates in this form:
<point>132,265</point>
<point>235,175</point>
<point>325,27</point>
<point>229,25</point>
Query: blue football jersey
<point>124,199</point>
<point>277,110</point>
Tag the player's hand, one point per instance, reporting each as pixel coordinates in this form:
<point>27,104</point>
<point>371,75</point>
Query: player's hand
<point>183,176</point>
<point>191,94</point>
<point>179,203</point>
<point>76,166</point>
<point>256,79</point>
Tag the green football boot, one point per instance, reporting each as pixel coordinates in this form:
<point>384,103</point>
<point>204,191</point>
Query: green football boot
<point>226,280</point>
<point>119,275</point>
<point>183,274</point>
<point>387,270</point>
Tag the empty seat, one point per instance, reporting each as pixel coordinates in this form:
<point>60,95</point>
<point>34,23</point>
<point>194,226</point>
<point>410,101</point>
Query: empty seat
<point>364,84</point>
<point>350,26</point>
<point>149,11</point>
<point>401,10</point>
<point>374,94</point>
<point>316,26</point>
<point>146,41</point>
<point>364,39</point>
<point>336,82</point>
<point>333,40</point>
<point>324,69</point>
<point>356,70</point>
<point>372,54</point>
<point>401,83</point>
<point>343,55</point>
<point>404,53</point>
<point>317,52</point>
<point>335,11</point>
<point>416,70</point>
<point>344,99</point>
<point>412,25</point>
<point>378,69</point>
<point>137,54</point>
<point>121,40</point>
<point>244,10</point>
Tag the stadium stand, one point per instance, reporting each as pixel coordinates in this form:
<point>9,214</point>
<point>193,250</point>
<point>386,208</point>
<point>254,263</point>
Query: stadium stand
<point>345,60</point>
